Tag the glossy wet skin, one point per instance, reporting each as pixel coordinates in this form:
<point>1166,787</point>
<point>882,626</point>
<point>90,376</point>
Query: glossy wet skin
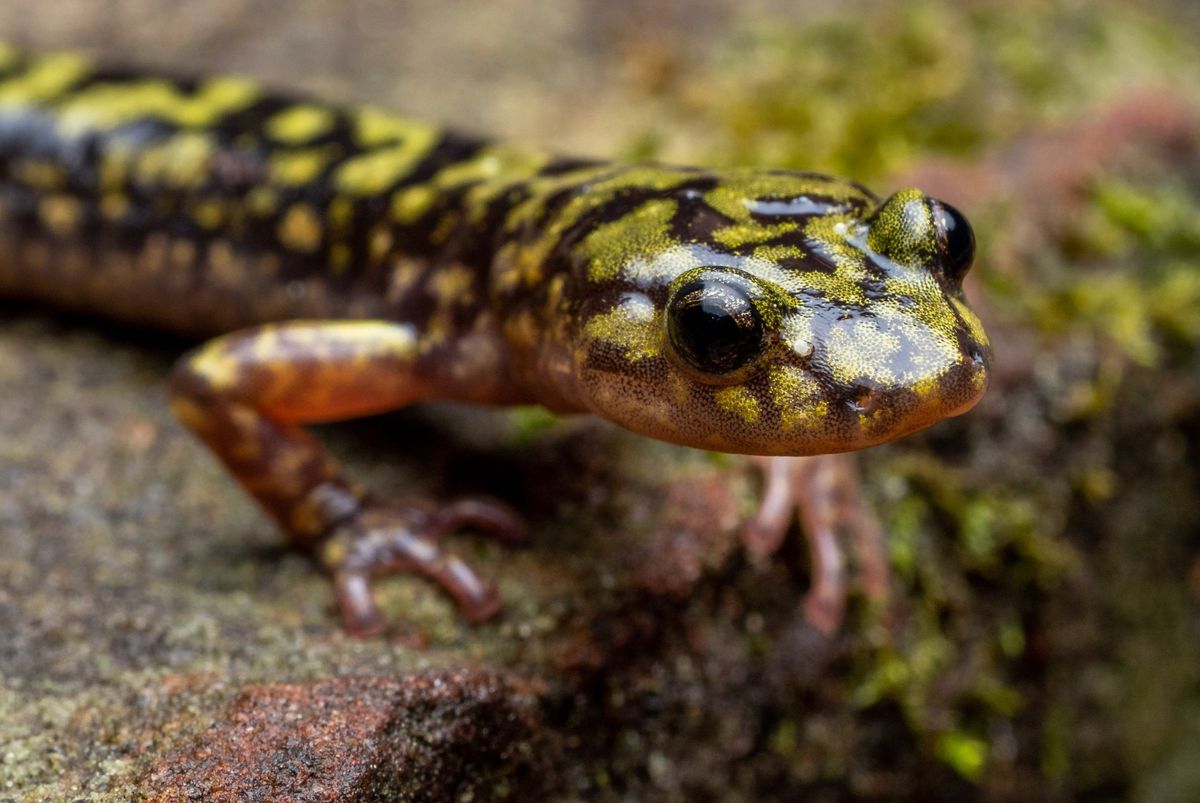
<point>757,311</point>
<point>352,261</point>
<point>781,314</point>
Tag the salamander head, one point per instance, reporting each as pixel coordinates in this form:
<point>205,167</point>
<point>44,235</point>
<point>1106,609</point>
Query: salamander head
<point>781,314</point>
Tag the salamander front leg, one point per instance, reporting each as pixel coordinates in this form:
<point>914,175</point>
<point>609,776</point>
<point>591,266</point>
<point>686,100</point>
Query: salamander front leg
<point>824,490</point>
<point>246,396</point>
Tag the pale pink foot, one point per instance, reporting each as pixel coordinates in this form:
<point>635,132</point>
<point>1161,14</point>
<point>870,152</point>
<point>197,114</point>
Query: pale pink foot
<point>824,492</point>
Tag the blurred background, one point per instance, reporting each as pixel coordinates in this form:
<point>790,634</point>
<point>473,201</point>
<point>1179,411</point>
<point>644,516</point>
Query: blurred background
<point>1047,546</point>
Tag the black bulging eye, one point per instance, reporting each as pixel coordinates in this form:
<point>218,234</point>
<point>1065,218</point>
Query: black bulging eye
<point>714,326</point>
<point>955,239</point>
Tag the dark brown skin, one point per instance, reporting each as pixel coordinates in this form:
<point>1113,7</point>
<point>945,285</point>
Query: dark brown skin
<point>355,262</point>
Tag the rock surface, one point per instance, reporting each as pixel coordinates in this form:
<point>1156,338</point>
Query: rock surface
<point>157,641</point>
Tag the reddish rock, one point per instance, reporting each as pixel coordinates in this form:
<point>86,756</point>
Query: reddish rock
<point>451,735</point>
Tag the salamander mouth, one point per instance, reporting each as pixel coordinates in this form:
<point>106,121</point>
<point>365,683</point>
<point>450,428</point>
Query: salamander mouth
<point>867,413</point>
<point>967,381</point>
<point>792,411</point>
<point>911,409</point>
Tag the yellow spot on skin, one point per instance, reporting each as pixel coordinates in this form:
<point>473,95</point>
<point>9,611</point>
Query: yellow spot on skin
<point>209,213</point>
<point>44,80</point>
<point>114,168</point>
<point>497,161</point>
<point>375,127</point>
<point>641,233</point>
<point>739,401</point>
<point>775,253</point>
<point>60,214</point>
<point>180,162</point>
<point>113,206</point>
<point>405,273</point>
<point>665,266</point>
<point>383,338</point>
<point>926,389</point>
<point>300,229</point>
<point>216,365</point>
<point>409,204</point>
<point>225,94</point>
<point>799,399</point>
<point>107,105</point>
<point>380,242</point>
<point>437,331</point>
<point>45,176</point>
<point>452,285</point>
<point>841,285</point>
<point>630,326</point>
<point>294,168</point>
<point>377,170</point>
<point>300,124</point>
<point>741,234</point>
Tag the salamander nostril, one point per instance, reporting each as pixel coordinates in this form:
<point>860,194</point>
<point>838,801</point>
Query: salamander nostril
<point>864,399</point>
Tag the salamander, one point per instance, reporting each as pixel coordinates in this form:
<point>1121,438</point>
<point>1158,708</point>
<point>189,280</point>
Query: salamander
<point>348,261</point>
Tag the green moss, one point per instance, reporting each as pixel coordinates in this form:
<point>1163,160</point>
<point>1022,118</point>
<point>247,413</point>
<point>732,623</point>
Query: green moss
<point>947,535</point>
<point>785,737</point>
<point>530,422</point>
<point>864,94</point>
<point>1142,244</point>
<point>965,753</point>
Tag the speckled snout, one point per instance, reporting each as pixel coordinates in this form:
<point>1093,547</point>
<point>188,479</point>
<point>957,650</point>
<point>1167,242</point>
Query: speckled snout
<point>854,332</point>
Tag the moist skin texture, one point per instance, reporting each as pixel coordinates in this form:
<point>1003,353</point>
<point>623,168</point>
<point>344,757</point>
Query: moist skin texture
<point>350,261</point>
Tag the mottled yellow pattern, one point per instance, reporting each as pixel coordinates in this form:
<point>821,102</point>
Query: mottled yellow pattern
<point>108,105</point>
<point>300,229</point>
<point>47,78</point>
<point>641,234</point>
<point>628,326</point>
<point>300,124</point>
<point>739,401</point>
<point>825,319</point>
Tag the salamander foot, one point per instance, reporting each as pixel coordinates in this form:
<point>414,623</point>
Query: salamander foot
<point>825,492</point>
<point>380,540</point>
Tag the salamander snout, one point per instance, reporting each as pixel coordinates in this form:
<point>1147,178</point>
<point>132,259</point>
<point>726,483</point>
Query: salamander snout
<point>784,317</point>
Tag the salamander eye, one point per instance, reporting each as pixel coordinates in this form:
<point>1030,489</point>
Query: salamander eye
<point>714,325</point>
<point>955,239</point>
